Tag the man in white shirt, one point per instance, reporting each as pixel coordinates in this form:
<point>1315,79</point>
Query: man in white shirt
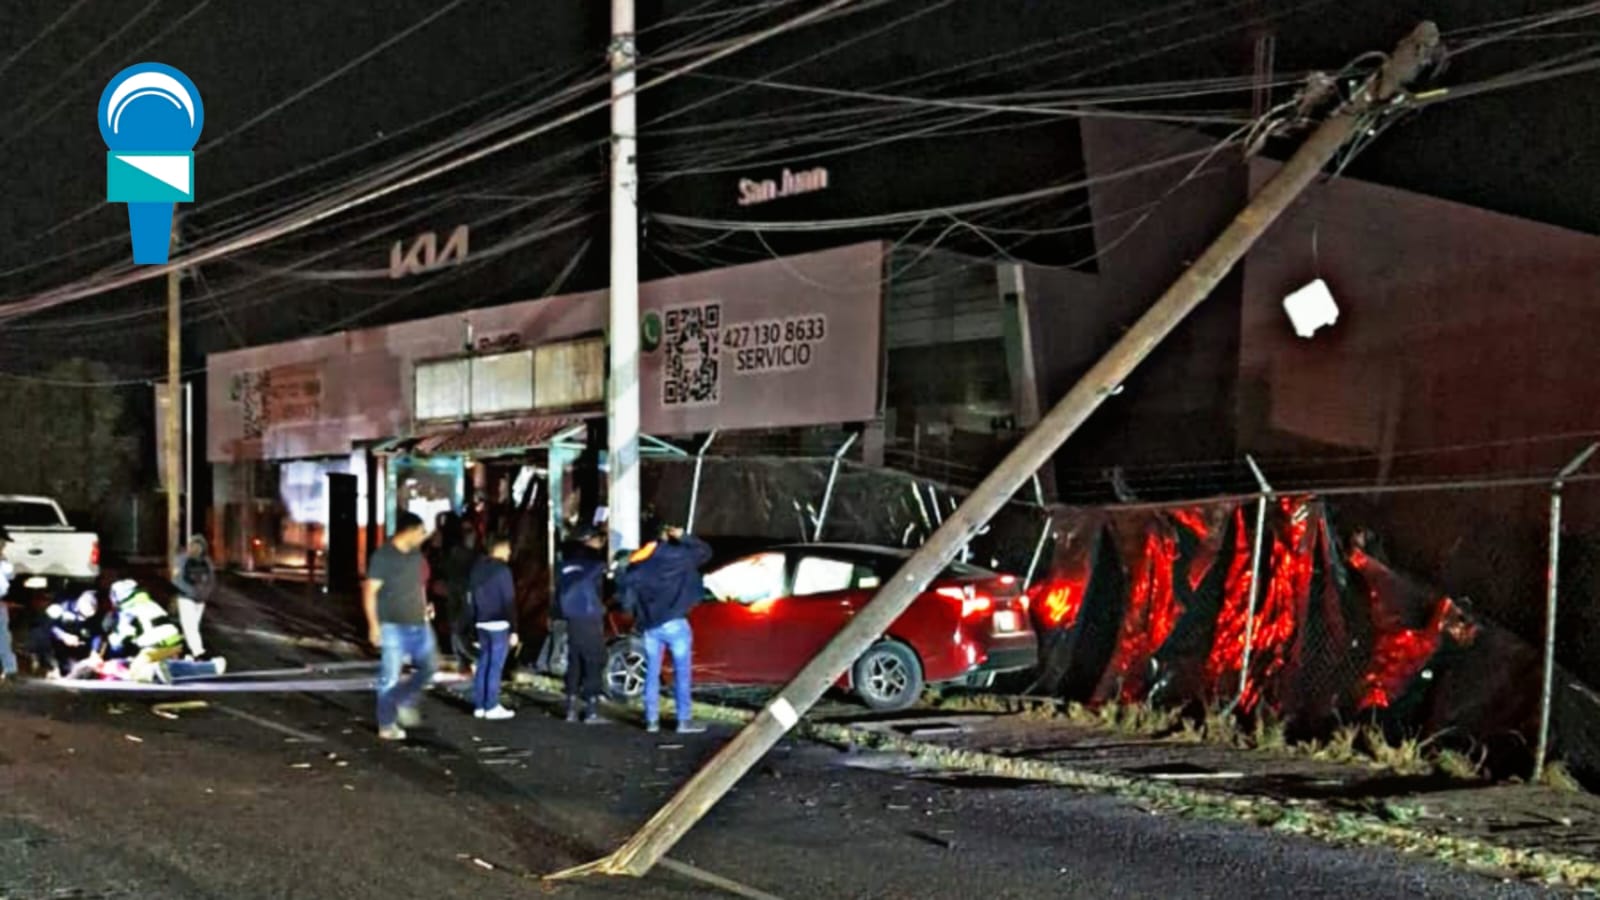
<point>8,657</point>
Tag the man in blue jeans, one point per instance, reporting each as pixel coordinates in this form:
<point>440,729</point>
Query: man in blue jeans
<point>663,579</point>
<point>395,600</point>
<point>493,603</point>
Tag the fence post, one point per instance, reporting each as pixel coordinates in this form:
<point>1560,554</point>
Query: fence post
<point>1255,579</point>
<point>1044,534</point>
<point>827,493</point>
<point>694,489</point>
<point>1552,584</point>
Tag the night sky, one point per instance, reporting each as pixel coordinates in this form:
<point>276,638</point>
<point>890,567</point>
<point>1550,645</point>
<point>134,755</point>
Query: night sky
<point>1527,151</point>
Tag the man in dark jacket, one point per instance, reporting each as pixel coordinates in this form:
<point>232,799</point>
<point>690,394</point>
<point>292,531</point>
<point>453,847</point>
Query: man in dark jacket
<point>663,578</point>
<point>494,606</point>
<point>578,600</point>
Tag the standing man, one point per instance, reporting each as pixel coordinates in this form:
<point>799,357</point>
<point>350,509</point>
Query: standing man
<point>8,656</point>
<point>395,600</point>
<point>195,577</point>
<point>583,570</point>
<point>493,605</point>
<point>461,560</point>
<point>664,578</point>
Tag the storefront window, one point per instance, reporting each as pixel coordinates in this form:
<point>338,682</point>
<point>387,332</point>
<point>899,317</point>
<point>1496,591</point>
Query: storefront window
<point>426,486</point>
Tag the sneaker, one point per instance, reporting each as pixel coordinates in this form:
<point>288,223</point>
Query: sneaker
<point>652,727</point>
<point>221,663</point>
<point>572,713</point>
<point>691,728</point>
<point>593,718</point>
<point>499,713</point>
<point>479,713</point>
<point>392,733</point>
<point>410,717</point>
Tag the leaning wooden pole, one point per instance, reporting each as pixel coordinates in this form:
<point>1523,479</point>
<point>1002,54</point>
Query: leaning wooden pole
<point>721,772</point>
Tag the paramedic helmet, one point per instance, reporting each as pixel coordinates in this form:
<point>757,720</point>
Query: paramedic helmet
<point>123,591</point>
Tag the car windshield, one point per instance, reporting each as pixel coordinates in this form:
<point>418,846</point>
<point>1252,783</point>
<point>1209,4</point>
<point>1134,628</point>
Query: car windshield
<point>29,514</point>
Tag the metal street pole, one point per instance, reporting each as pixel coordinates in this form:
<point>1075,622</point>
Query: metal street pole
<point>1255,580</point>
<point>719,774</point>
<point>1552,591</point>
<point>188,460</point>
<point>173,462</point>
<point>622,396</point>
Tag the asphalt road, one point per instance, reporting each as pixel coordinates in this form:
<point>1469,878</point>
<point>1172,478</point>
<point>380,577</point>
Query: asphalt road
<point>289,796</point>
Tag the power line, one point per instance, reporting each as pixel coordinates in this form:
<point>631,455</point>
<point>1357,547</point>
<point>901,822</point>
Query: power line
<point>93,286</point>
<point>83,60</point>
<point>43,33</point>
<point>331,77</point>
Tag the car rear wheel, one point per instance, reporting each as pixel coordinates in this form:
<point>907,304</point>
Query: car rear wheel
<point>888,677</point>
<point>625,669</point>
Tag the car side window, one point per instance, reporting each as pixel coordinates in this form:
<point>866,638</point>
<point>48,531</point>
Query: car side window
<point>820,575</point>
<point>749,580</point>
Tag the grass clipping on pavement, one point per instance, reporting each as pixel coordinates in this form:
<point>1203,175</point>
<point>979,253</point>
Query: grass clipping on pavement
<point>1385,825</point>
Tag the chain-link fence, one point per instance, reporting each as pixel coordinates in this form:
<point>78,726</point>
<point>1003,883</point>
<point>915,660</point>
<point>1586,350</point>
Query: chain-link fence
<point>1420,605</point>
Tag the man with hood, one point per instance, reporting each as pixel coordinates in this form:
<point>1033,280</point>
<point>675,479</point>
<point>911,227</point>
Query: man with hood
<point>663,583</point>
<point>195,577</point>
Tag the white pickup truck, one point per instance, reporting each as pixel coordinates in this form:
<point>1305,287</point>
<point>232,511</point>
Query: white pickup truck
<point>44,548</point>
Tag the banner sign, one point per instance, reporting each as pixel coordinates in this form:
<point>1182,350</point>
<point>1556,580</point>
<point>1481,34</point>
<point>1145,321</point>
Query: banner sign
<point>783,343</point>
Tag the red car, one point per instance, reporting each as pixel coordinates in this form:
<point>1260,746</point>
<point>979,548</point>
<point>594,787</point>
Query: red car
<point>770,612</point>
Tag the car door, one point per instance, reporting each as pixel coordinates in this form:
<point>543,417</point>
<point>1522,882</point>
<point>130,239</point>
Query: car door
<point>732,627</point>
<point>825,592</point>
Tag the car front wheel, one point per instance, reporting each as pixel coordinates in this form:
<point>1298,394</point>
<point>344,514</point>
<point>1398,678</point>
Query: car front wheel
<point>625,669</point>
<point>888,677</point>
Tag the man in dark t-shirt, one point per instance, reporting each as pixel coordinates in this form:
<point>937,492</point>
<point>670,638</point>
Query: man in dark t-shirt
<point>396,603</point>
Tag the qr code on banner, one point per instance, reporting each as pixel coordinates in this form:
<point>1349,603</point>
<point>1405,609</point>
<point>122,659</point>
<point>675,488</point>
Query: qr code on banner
<point>692,336</point>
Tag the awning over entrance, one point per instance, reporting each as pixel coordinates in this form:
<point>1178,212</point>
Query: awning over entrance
<point>495,440</point>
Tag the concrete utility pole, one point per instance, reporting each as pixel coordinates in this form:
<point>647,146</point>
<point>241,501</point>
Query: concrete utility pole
<point>172,461</point>
<point>622,396</point>
<point>721,772</point>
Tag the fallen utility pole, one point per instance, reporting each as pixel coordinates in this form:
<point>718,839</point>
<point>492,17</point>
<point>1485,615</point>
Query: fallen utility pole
<point>721,772</point>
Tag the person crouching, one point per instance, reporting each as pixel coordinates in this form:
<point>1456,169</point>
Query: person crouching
<point>145,644</point>
<point>76,638</point>
<point>493,594</point>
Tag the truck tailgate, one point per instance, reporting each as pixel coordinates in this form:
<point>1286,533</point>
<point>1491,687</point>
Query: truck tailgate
<point>57,553</point>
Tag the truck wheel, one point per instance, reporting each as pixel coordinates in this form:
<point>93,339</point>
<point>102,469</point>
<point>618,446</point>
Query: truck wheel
<point>888,677</point>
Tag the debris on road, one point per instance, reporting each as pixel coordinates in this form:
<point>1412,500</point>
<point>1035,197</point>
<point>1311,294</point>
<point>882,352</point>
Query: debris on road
<point>134,739</point>
<point>171,710</point>
<point>943,843</point>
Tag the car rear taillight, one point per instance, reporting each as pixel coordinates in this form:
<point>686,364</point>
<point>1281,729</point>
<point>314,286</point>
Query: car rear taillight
<point>973,604</point>
<point>94,554</point>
